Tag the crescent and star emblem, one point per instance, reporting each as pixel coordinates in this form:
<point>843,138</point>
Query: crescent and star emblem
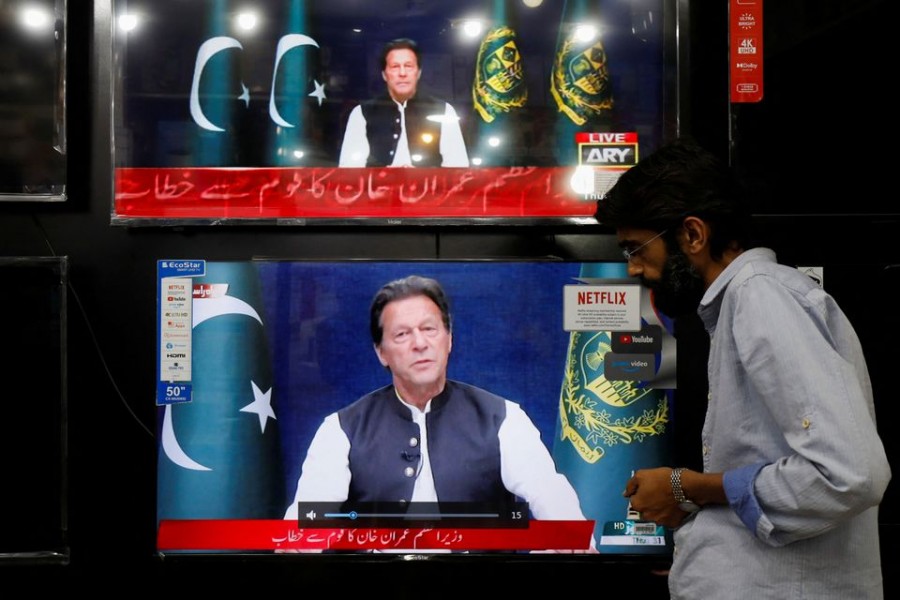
<point>204,310</point>
<point>214,46</point>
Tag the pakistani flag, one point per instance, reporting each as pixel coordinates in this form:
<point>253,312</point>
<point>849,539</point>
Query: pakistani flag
<point>608,429</point>
<point>296,93</point>
<point>579,78</point>
<point>214,93</point>
<point>219,455</point>
<point>499,92</point>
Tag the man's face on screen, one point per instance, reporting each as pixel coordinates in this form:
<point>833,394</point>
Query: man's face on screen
<point>415,347</point>
<point>401,73</point>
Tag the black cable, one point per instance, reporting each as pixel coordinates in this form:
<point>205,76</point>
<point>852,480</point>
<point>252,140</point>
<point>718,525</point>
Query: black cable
<point>92,335</point>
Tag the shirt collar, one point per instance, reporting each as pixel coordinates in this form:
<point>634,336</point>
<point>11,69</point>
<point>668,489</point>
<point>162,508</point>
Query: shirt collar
<point>712,298</point>
<point>412,409</point>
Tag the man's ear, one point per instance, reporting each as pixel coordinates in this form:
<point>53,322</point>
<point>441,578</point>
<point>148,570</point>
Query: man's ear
<point>378,354</point>
<point>383,76</point>
<point>696,234</point>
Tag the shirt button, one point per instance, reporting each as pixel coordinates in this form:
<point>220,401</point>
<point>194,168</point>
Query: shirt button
<point>402,501</point>
<point>409,471</point>
<point>805,423</point>
<point>413,442</point>
<point>705,450</point>
<point>396,136</point>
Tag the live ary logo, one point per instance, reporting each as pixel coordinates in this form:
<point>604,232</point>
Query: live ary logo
<point>607,149</point>
<point>597,154</point>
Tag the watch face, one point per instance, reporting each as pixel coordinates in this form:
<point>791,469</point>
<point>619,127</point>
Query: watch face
<point>688,506</point>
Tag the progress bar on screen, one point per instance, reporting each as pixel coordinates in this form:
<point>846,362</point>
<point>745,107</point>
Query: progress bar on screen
<point>412,514</point>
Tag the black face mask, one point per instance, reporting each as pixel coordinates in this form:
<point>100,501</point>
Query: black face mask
<point>679,289</point>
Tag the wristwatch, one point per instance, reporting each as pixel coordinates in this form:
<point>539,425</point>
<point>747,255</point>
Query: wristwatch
<point>683,503</point>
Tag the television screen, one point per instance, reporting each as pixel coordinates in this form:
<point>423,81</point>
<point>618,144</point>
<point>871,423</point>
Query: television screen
<point>33,430</point>
<point>32,100</point>
<point>282,424</point>
<point>291,111</point>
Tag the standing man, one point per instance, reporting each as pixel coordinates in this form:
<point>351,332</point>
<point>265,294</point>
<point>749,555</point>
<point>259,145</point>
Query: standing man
<point>403,128</point>
<point>794,470</point>
<point>424,437</point>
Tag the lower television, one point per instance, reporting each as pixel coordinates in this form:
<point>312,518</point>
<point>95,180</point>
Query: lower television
<point>286,418</point>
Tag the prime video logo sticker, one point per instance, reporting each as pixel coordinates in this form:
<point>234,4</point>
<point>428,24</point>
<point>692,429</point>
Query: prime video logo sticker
<point>629,367</point>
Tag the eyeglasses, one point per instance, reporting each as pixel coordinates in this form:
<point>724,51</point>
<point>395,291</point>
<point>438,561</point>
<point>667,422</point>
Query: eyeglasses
<point>631,254</point>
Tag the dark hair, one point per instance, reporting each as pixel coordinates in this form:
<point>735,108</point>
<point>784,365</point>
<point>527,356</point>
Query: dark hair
<point>678,180</point>
<point>414,285</point>
<point>399,44</point>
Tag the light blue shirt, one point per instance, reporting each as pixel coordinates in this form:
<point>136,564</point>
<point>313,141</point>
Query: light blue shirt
<point>791,423</point>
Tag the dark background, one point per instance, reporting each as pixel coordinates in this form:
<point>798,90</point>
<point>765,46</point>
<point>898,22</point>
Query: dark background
<point>814,152</point>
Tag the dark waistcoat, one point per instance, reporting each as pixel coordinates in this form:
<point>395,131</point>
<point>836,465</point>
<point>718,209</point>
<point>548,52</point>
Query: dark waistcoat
<point>463,446</point>
<point>383,130</point>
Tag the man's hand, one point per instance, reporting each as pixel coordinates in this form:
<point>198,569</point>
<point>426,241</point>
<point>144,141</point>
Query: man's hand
<point>650,492</point>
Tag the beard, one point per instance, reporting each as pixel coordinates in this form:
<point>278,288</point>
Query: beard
<point>679,289</point>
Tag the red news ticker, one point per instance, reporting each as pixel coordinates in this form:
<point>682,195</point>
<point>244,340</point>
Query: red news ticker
<point>229,534</point>
<point>333,192</point>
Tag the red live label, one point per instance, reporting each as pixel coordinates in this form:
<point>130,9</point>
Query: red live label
<point>587,137</point>
<point>746,55</point>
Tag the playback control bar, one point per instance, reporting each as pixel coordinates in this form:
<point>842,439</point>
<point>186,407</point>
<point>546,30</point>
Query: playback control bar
<point>470,515</point>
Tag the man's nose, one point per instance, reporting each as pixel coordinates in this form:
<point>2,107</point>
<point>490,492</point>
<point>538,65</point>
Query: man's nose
<point>418,338</point>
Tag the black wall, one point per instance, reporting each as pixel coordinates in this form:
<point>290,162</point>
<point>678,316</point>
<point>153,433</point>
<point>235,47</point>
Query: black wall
<point>818,83</point>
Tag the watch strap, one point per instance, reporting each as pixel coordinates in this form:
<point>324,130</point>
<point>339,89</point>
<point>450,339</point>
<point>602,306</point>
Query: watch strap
<point>677,490</point>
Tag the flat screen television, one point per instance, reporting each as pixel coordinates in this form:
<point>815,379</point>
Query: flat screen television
<point>34,427</point>
<point>230,114</point>
<point>254,355</point>
<point>33,100</point>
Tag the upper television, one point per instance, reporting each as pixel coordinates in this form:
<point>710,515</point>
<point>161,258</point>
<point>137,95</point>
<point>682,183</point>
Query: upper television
<point>282,424</point>
<point>298,112</point>
<point>32,100</point>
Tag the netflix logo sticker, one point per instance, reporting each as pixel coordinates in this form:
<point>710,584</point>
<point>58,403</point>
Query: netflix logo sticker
<point>602,308</point>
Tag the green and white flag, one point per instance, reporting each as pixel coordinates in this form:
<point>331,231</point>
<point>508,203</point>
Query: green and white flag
<point>499,92</point>
<point>579,79</point>
<point>219,454</point>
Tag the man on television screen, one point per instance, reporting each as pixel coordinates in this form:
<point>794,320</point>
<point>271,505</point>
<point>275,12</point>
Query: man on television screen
<point>403,128</point>
<point>424,437</point>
